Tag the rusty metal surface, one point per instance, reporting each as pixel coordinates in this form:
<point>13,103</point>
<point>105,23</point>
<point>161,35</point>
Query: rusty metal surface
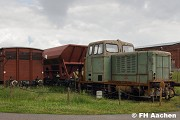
<point>54,52</point>
<point>64,60</point>
<point>19,69</point>
<point>70,53</point>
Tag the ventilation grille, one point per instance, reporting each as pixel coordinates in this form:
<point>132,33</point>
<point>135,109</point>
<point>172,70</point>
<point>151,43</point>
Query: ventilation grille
<point>121,64</point>
<point>126,64</point>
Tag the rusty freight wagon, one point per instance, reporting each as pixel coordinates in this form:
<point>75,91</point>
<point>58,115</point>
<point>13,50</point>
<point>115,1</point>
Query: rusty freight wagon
<point>60,62</point>
<point>21,64</point>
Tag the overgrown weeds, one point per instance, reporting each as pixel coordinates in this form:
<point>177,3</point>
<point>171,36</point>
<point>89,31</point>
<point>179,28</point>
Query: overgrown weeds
<point>53,100</point>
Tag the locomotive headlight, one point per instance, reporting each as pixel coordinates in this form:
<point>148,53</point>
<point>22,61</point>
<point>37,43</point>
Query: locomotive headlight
<point>154,76</point>
<point>42,72</point>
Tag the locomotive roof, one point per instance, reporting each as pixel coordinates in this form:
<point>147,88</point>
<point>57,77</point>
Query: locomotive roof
<point>113,41</point>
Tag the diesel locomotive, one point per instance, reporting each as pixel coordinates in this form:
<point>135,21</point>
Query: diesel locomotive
<point>114,65</point>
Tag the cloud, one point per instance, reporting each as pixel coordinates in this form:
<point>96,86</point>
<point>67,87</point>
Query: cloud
<point>48,23</point>
<point>56,10</point>
<point>20,23</point>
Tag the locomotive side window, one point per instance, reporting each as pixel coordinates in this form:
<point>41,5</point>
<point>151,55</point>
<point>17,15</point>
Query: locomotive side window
<point>98,49</point>
<point>113,48</point>
<point>128,49</point>
<point>90,50</point>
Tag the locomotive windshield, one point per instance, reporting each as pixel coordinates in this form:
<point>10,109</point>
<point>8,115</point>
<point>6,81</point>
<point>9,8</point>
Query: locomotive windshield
<point>98,49</point>
<point>113,48</point>
<point>128,48</point>
<point>90,50</point>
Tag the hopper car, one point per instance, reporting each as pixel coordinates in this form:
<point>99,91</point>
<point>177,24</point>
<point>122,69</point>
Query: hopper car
<point>60,63</point>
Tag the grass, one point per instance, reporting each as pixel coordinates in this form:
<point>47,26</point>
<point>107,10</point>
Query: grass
<point>176,76</point>
<point>50,100</point>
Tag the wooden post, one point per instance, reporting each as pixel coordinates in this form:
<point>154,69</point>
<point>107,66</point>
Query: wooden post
<point>75,85</point>
<point>178,76</point>
<point>79,87</point>
<point>68,94</point>
<point>11,90</point>
<point>160,97</point>
<point>119,93</point>
<point>152,94</point>
<point>153,99</point>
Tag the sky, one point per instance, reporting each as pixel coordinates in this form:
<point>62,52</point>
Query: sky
<point>49,23</point>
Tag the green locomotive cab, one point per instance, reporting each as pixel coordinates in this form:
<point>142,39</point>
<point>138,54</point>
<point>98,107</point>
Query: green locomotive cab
<point>115,64</point>
<point>98,58</point>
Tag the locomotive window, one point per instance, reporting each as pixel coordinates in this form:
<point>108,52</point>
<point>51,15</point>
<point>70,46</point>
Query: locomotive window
<point>95,49</point>
<point>36,56</point>
<point>98,49</point>
<point>11,55</point>
<point>112,48</point>
<point>128,49</point>
<point>24,56</point>
<point>90,50</point>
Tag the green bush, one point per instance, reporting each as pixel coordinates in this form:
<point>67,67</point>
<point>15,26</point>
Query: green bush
<point>176,76</point>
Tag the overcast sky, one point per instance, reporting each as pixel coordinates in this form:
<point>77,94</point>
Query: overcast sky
<point>48,23</point>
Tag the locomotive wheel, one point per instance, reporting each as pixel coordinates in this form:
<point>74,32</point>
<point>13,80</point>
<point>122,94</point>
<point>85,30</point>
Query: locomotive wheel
<point>171,93</point>
<point>167,97</point>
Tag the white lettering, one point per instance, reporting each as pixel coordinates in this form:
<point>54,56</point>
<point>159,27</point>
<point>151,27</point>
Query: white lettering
<point>143,115</point>
<point>153,115</point>
<point>162,115</point>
